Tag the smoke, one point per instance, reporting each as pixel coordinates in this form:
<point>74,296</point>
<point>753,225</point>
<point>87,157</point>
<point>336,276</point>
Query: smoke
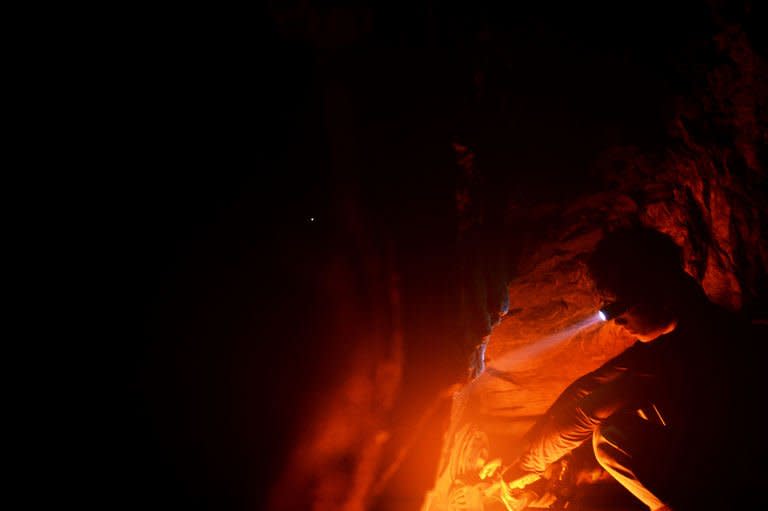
<point>512,359</point>
<point>504,366</point>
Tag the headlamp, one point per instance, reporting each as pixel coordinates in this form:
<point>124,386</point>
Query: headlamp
<point>612,310</point>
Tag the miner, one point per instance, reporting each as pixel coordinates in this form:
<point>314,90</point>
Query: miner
<point>673,418</point>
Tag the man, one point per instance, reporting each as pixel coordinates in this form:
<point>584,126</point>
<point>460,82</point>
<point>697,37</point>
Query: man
<point>672,418</point>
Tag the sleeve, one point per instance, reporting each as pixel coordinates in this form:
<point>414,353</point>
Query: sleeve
<point>583,406</point>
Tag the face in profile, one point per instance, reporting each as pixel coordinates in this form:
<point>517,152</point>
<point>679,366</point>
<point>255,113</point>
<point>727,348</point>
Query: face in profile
<point>646,322</point>
<point>636,265</point>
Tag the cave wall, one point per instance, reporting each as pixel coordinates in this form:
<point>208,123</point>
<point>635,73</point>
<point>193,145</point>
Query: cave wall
<point>428,180</point>
<point>703,183</point>
<point>706,188</point>
<point>505,164</point>
<point>699,176</point>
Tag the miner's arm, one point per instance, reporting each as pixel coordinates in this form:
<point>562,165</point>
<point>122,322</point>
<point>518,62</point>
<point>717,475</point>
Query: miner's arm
<point>583,406</point>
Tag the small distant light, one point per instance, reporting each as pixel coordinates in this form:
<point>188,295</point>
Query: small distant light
<point>601,315</point>
<point>311,219</point>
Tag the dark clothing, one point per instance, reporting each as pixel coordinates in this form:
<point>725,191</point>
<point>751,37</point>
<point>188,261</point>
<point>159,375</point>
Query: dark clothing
<point>703,383</point>
<point>633,450</point>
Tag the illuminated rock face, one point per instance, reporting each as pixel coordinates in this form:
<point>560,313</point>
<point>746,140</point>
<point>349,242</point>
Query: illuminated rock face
<point>706,188</point>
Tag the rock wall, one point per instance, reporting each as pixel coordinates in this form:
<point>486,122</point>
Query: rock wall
<point>704,185</point>
<point>706,188</point>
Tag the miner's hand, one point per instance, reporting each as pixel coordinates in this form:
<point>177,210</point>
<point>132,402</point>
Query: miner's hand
<point>515,499</point>
<point>469,498</point>
<point>489,469</point>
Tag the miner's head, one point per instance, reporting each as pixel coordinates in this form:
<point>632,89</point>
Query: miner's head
<point>638,273</point>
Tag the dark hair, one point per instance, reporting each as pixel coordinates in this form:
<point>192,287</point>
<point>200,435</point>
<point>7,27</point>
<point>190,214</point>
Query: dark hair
<point>637,264</point>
